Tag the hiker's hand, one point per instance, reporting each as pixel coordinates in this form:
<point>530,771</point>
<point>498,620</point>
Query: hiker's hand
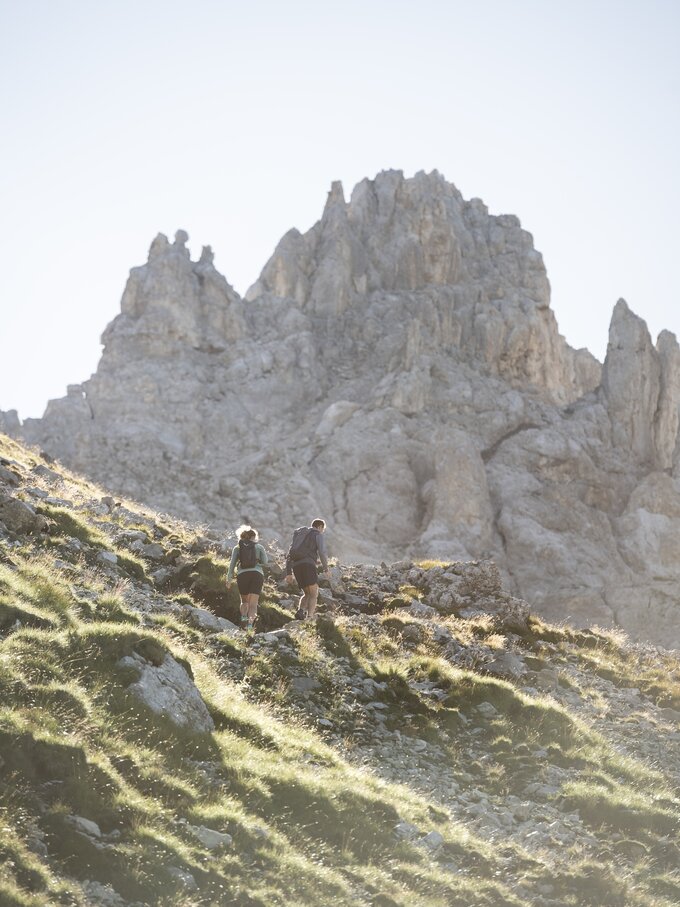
<point>289,578</point>
<point>230,583</point>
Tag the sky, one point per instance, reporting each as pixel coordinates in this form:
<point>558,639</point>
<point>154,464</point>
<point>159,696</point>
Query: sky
<point>230,120</point>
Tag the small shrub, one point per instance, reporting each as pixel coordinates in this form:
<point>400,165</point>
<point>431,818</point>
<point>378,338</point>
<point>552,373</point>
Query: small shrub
<point>110,608</point>
<point>131,565</point>
<point>395,624</point>
<point>410,592</point>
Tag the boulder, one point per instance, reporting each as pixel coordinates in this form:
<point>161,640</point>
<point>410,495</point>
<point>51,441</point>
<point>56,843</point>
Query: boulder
<point>9,477</point>
<point>213,840</point>
<point>167,690</point>
<point>20,517</point>
<point>206,620</point>
<point>507,665</point>
<point>107,558</point>
<point>84,826</point>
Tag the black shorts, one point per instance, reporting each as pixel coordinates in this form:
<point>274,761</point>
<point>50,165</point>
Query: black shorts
<point>306,575</point>
<point>250,582</point>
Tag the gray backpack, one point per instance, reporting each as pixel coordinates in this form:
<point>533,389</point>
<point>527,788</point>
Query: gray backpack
<point>304,545</point>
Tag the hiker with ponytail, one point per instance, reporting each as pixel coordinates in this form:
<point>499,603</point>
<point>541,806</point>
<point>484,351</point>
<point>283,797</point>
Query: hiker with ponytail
<point>248,559</point>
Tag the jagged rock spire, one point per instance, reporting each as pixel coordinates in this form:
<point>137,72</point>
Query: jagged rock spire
<point>641,384</point>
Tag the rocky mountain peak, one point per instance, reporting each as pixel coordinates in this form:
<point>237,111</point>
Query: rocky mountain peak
<point>399,234</point>
<point>174,300</point>
<point>398,369</point>
<point>401,245</point>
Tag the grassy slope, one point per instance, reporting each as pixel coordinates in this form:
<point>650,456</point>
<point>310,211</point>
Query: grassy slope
<point>309,826</point>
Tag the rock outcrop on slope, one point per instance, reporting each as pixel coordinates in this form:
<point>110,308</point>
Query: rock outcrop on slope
<point>397,369</point>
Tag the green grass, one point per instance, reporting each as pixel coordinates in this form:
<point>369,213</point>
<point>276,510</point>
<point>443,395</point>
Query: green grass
<point>34,596</point>
<point>309,826</point>
<point>132,565</point>
<point>659,679</point>
<point>622,809</point>
<point>68,524</point>
<point>71,727</point>
<point>111,609</point>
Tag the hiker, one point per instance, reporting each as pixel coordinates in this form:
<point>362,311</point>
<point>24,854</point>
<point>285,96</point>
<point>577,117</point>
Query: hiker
<point>308,544</point>
<point>251,558</point>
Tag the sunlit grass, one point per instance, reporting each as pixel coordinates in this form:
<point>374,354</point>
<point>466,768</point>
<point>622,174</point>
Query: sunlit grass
<point>622,808</point>
<point>308,826</point>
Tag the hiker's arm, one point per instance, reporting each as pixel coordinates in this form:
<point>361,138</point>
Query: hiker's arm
<point>289,568</point>
<point>263,559</point>
<point>321,548</point>
<point>234,558</point>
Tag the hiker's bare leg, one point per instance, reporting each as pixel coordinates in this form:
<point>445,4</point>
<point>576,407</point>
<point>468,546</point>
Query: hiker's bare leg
<point>244,605</point>
<point>252,605</point>
<point>311,593</point>
<point>302,603</point>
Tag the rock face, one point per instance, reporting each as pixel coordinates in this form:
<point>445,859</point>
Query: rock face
<point>9,422</point>
<point>398,370</point>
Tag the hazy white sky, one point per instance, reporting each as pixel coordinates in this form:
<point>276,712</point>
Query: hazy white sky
<point>231,119</point>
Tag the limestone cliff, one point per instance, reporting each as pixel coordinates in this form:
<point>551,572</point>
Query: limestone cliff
<point>398,370</point>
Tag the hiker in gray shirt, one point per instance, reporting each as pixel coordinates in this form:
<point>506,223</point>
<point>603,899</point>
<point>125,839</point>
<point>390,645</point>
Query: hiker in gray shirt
<point>307,547</point>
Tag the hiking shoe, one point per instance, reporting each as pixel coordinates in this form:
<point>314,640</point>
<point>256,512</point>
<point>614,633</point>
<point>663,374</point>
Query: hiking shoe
<point>251,626</point>
<point>300,614</point>
<point>244,621</point>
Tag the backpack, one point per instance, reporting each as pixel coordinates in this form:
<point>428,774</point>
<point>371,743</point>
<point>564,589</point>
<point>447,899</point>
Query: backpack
<point>247,555</point>
<point>304,545</point>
